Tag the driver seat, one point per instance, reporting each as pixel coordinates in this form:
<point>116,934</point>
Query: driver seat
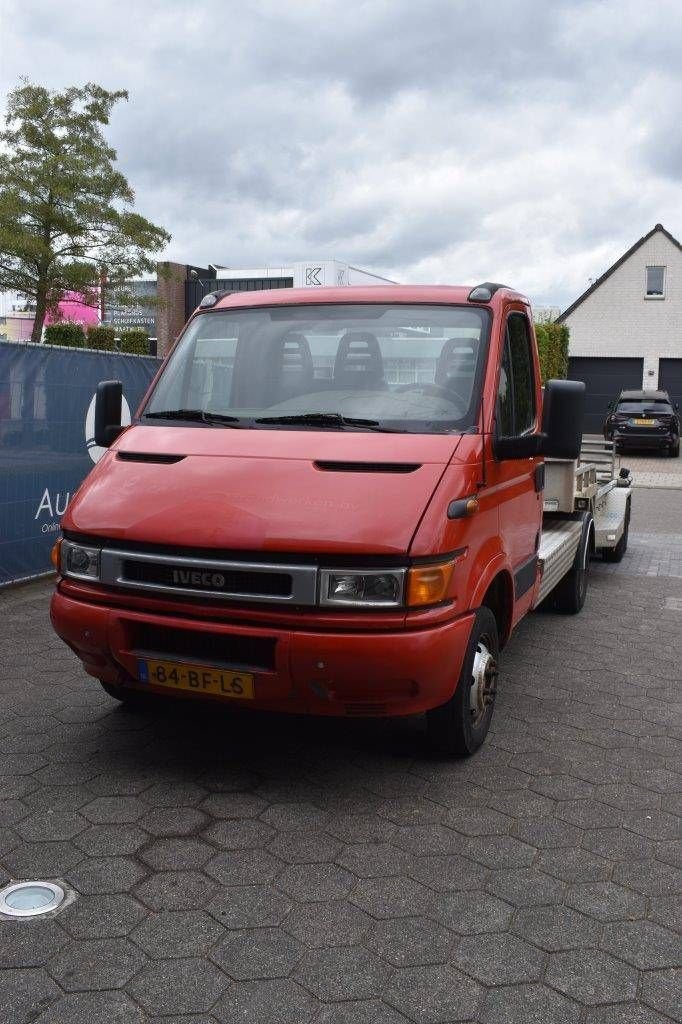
<point>358,362</point>
<point>455,367</point>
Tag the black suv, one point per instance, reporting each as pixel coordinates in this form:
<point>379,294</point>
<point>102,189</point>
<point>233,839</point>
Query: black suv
<point>644,419</point>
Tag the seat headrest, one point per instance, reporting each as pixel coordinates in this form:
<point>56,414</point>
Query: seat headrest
<point>455,360</point>
<point>358,360</point>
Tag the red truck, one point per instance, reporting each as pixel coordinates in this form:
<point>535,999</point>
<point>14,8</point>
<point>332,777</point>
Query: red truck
<point>328,503</point>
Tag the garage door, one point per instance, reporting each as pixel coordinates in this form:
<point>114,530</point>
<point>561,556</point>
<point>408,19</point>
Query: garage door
<point>604,379</point>
<point>670,378</point>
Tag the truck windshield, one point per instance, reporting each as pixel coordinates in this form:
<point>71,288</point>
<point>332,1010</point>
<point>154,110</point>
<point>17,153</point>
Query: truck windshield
<point>344,367</point>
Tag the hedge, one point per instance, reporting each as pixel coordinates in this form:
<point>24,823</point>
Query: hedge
<point>102,338</point>
<point>65,332</point>
<point>552,350</point>
<point>135,340</point>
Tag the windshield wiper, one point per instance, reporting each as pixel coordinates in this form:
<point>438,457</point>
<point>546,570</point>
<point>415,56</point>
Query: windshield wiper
<point>196,415</point>
<point>328,419</point>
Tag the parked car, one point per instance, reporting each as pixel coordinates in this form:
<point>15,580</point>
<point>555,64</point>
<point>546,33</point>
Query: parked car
<point>644,419</point>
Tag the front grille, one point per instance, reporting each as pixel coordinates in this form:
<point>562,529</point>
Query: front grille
<point>274,584</point>
<point>228,650</point>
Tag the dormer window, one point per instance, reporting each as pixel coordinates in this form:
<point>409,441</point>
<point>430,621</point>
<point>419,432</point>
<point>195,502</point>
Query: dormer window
<point>655,283</point>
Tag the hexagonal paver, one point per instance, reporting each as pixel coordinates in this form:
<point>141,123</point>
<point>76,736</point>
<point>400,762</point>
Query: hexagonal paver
<point>499,851</point>
<point>661,990</point>
<point>24,994</point>
<point>178,986</point>
<point>651,878</point>
<point>31,860</point>
<point>89,964</point>
<point>360,828</point>
<point>333,923</point>
<point>58,798</point>
<point>562,787</point>
<point>434,995</point>
<point>233,805</point>
<point>546,833</point>
<point>556,928</point>
<point>243,867</point>
<point>111,840</point>
<point>251,906</point>
<point>99,917</point>
<point>523,803</point>
<point>499,959</point>
<point>30,943</point>
<point>46,826</point>
<point>618,844</point>
<point>626,796</point>
<point>409,941</point>
<point>93,1007</point>
<point>573,865</point>
<point>367,1011</point>
<point>173,821</point>
<point>450,873</point>
<point>427,839</point>
<point>625,1013</point>
<point>526,887</point>
<point>374,860</point>
<point>591,977</point>
<point>277,1001</point>
<point>588,814</point>
<point>177,854</point>
<point>174,794</point>
<point>294,817</point>
<point>309,847</point>
<point>528,1004</point>
<point>342,972</point>
<point>411,810</point>
<point>391,897</point>
<point>242,834</point>
<point>258,953</point>
<point>606,901</point>
<point>176,890</point>
<point>105,874</point>
<point>306,882</point>
<point>654,824</point>
<point>666,910</point>
<point>106,810</point>
<point>177,933</point>
<point>643,944</point>
<point>477,821</point>
<point>470,913</point>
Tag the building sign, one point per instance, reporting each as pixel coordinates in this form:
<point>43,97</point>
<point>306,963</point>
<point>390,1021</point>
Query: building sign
<point>141,313</point>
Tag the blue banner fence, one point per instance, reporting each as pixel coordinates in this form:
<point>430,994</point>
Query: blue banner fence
<point>47,444</point>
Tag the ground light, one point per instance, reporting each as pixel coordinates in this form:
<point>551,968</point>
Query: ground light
<point>30,899</point>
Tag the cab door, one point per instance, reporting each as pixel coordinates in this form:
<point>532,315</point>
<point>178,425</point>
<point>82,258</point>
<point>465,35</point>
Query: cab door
<point>519,481</point>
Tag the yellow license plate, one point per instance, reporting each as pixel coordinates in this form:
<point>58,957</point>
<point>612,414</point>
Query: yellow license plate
<point>196,678</point>
<point>644,423</point>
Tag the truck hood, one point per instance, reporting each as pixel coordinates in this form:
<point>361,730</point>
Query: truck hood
<point>262,490</point>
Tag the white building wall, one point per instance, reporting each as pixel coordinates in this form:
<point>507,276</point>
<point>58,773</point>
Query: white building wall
<point>617,319</point>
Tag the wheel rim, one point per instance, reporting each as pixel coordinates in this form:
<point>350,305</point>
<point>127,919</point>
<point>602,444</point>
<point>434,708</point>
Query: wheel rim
<point>483,682</point>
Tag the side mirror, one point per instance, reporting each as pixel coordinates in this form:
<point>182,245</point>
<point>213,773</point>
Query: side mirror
<point>563,410</point>
<point>108,412</point>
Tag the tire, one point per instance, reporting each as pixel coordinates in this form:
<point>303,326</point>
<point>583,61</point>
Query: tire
<point>568,597</point>
<point>674,450</point>
<point>616,554</point>
<point>461,725</point>
<point>129,698</point>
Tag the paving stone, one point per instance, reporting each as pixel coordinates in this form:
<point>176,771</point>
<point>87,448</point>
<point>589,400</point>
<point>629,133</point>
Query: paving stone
<point>58,798</point>
<point>606,901</point>
<point>557,928</point>
<point>333,923</point>
<point>360,1012</point>
<point>89,964</point>
<point>178,986</point>
<point>257,953</point>
<point>391,897</point>
<point>30,943</point>
<point>113,810</point>
<point>651,878</point>
<point>523,803</point>
<point>661,990</point>
<point>177,933</point>
<point>111,840</point>
<point>477,821</point>
<point>251,906</point>
<point>499,959</point>
<point>428,839</point>
<point>414,810</point>
<point>176,890</point>
<point>100,917</point>
<point>546,834</point>
<point>105,874</point>
<point>233,805</point>
<point>342,972</point>
<point>243,834</point>
<point>470,913</point>
<point>46,826</point>
<point>173,821</point>
<point>182,854</point>
<point>588,814</point>
<point>652,824</point>
<point>306,882</point>
<point>409,941</point>
<point>666,910</point>
<point>591,977</point>
<point>174,794</point>
<point>528,1004</point>
<point>643,944</point>
<point>374,860</point>
<point>279,1001</point>
<point>562,787</point>
<point>24,994</point>
<point>450,873</point>
<point>625,1013</point>
<point>618,844</point>
<point>92,1008</point>
<point>499,851</point>
<point>434,995</point>
<point>309,847</point>
<point>244,867</point>
<point>626,796</point>
<point>294,816</point>
<point>573,865</point>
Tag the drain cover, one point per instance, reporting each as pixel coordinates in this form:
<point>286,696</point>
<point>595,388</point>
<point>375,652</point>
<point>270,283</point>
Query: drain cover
<point>30,899</point>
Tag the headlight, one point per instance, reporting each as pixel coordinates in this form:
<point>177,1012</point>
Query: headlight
<point>366,589</point>
<point>79,561</point>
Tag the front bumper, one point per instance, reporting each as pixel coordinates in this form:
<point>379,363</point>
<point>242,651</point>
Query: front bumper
<point>397,672</point>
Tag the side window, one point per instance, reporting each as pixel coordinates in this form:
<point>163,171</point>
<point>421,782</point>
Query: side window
<point>516,391</point>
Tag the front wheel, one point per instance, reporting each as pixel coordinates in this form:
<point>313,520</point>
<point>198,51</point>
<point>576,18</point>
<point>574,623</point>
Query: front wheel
<point>461,724</point>
<point>128,697</point>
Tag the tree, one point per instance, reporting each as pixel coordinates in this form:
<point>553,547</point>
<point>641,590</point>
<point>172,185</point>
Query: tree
<point>67,221</point>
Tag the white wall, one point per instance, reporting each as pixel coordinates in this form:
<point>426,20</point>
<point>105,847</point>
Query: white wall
<point>617,320</point>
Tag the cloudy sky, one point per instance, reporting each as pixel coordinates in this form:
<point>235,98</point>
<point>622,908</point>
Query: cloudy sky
<point>528,141</point>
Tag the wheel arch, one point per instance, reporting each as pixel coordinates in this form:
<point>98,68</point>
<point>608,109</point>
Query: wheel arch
<point>499,598</point>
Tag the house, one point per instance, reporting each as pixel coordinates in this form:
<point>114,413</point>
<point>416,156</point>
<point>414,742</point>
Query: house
<point>626,329</point>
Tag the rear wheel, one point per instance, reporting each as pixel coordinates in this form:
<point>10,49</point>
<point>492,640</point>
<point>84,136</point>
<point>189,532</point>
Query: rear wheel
<point>674,449</point>
<point>461,724</point>
<point>568,597</point>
